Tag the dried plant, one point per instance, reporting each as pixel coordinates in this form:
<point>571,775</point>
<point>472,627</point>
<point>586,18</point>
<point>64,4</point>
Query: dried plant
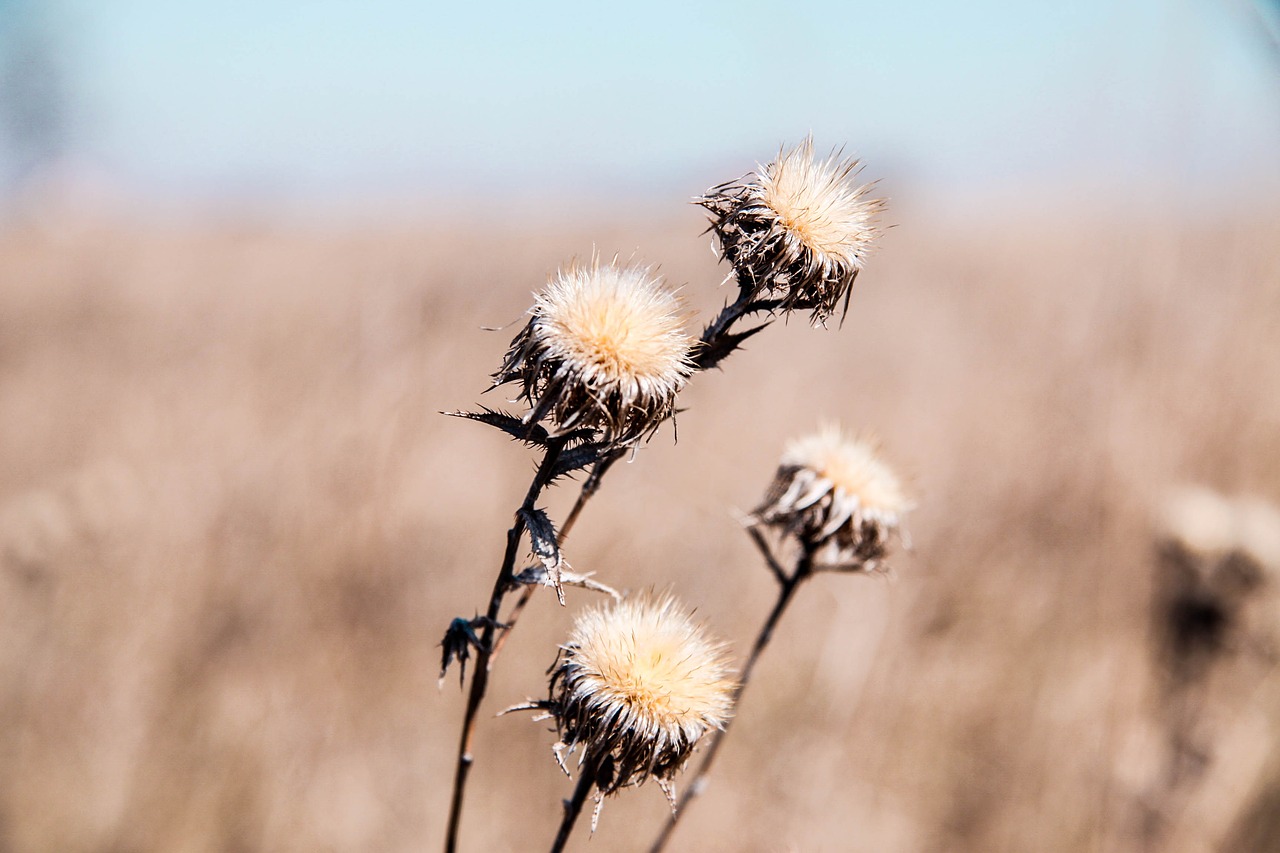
<point>604,349</point>
<point>837,505</point>
<point>635,689</point>
<point>797,230</point>
<point>601,360</point>
<point>603,356</point>
<point>834,495</point>
<point>1216,556</point>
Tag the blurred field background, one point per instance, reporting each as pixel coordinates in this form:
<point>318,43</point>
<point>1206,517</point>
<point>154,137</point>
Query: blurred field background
<point>234,525</point>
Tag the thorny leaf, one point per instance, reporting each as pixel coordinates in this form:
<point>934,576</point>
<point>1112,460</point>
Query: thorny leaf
<point>531,434</point>
<point>865,567</point>
<point>538,576</point>
<point>575,459</point>
<point>542,538</point>
<point>595,813</point>
<point>720,346</point>
<point>521,429</point>
<point>544,705</point>
<point>668,789</point>
<point>459,639</point>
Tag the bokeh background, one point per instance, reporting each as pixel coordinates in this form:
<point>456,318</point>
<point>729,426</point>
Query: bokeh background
<point>246,255</point>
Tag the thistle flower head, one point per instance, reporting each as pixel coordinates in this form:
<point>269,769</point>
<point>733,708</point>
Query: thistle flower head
<point>1216,553</point>
<point>603,349</point>
<point>1209,526</point>
<point>837,497</point>
<point>637,686</point>
<point>798,230</point>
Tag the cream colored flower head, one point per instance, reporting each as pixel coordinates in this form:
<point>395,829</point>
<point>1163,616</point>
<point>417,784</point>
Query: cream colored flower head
<point>837,497</point>
<point>798,230</point>
<point>637,686</point>
<point>604,349</point>
<point>1209,525</point>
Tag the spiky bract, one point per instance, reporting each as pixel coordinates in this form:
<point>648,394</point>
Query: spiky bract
<point>636,687</point>
<point>837,497</point>
<point>797,230</point>
<point>603,349</point>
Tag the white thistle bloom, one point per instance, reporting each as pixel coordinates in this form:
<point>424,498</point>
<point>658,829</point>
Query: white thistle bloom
<point>1209,525</point>
<point>837,497</point>
<point>798,230</point>
<point>604,349</point>
<point>636,687</point>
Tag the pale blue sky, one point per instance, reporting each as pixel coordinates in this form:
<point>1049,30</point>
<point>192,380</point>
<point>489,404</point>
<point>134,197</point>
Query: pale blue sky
<point>436,101</point>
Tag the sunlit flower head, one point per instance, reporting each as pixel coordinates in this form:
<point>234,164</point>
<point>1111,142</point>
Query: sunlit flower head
<point>1207,525</point>
<point>837,497</point>
<point>798,230</point>
<point>604,348</point>
<point>636,687</point>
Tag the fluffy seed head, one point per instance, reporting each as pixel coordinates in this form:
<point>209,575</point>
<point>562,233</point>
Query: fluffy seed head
<point>637,686</point>
<point>603,349</point>
<point>797,230</point>
<point>837,497</point>
<point>1207,525</point>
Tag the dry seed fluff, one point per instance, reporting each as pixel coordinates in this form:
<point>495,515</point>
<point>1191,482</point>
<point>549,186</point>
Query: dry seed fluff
<point>636,687</point>
<point>604,348</point>
<point>798,230</point>
<point>834,494</point>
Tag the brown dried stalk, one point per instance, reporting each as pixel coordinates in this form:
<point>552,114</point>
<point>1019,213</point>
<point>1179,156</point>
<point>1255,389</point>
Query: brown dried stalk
<point>837,501</point>
<point>788,583</point>
<point>717,341</point>
<point>484,652</point>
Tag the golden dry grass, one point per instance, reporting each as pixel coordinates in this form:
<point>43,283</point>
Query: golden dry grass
<point>233,528</point>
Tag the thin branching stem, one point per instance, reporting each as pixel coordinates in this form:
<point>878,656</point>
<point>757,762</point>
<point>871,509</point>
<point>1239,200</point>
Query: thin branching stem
<point>757,537</point>
<point>787,586</point>
<point>573,807</point>
<point>589,487</point>
<point>716,342</point>
<point>715,338</point>
<point>480,673</point>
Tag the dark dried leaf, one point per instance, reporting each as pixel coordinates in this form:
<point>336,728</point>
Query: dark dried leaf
<point>543,541</point>
<point>575,459</point>
<point>720,346</point>
<point>530,433</point>
<point>459,639</point>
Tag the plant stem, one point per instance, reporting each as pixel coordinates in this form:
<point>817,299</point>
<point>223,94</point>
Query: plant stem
<point>573,807</point>
<point>484,654</point>
<point>589,487</point>
<point>788,584</point>
<point>715,337</point>
<point>715,332</point>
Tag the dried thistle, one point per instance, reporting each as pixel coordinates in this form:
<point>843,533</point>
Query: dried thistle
<point>603,349</point>
<point>797,230</point>
<point>1216,554</point>
<point>836,496</point>
<point>1208,526</point>
<point>636,687</point>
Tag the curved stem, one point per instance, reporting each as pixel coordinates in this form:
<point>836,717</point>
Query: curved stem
<point>573,807</point>
<point>484,654</point>
<point>788,584</point>
<point>715,337</point>
<point>589,487</point>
